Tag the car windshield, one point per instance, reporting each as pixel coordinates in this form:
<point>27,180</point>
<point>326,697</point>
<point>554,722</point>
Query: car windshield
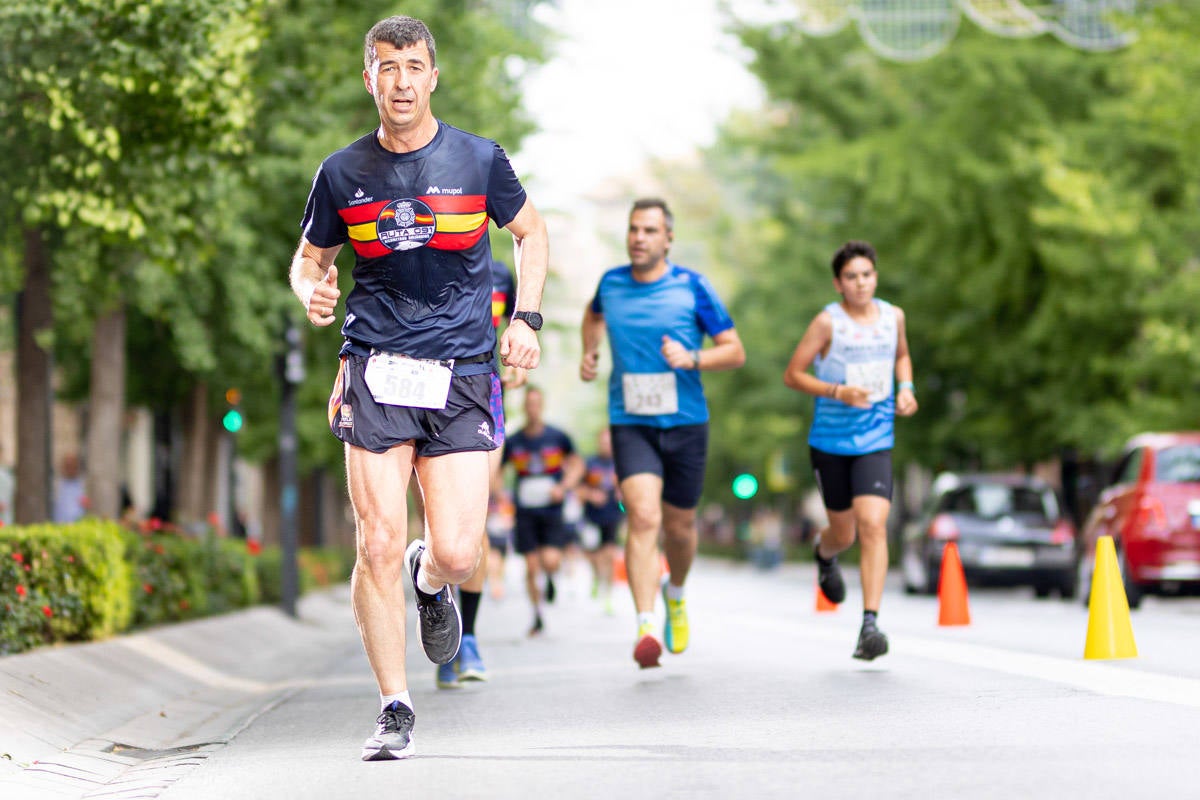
<point>993,500</point>
<point>1179,464</point>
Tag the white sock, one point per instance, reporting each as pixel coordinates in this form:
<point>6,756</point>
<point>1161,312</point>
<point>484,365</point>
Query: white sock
<point>387,699</point>
<point>645,618</point>
<point>423,583</point>
<point>674,592</point>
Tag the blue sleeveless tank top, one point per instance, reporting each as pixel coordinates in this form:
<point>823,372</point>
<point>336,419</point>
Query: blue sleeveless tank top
<point>859,355</point>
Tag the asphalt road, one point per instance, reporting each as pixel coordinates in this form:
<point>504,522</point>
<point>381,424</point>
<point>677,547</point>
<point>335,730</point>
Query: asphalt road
<point>767,702</point>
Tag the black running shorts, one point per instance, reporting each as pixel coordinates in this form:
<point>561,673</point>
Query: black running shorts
<point>677,455</point>
<point>843,478</point>
<point>540,527</point>
<point>464,425</point>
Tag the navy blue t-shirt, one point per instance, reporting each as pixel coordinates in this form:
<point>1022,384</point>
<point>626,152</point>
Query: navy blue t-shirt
<point>418,224</point>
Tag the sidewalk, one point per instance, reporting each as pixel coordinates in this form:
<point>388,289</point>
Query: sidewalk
<point>77,719</point>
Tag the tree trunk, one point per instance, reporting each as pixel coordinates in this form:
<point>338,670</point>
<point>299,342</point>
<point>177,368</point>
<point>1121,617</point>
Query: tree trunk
<point>106,413</point>
<point>194,469</point>
<point>35,395</point>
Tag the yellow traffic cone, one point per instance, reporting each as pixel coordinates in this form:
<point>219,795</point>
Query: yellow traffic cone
<point>1110,631</point>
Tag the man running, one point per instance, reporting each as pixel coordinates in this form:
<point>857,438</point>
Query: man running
<point>414,198</point>
<point>467,666</point>
<point>859,347</point>
<point>602,510</point>
<point>656,314</point>
<point>547,468</point>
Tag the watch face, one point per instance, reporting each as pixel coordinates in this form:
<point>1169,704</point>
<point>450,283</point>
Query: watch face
<point>531,318</point>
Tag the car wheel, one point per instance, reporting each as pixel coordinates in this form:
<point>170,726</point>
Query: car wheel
<point>1068,584</point>
<point>1083,578</point>
<point>1041,590</point>
<point>932,577</point>
<point>1133,592</point>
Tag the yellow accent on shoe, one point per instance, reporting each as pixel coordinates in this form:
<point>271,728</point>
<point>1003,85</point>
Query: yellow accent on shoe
<point>675,626</point>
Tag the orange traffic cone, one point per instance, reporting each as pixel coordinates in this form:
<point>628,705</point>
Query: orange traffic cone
<point>952,589</point>
<point>823,602</point>
<point>619,575</point>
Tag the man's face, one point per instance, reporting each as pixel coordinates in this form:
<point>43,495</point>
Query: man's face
<point>533,406</point>
<point>401,81</point>
<point>648,239</point>
<point>857,281</point>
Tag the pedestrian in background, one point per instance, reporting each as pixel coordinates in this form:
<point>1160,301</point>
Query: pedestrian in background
<point>863,378</point>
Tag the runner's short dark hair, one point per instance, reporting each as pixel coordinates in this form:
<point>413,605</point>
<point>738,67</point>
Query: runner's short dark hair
<point>643,203</point>
<point>399,32</point>
<point>850,251</point>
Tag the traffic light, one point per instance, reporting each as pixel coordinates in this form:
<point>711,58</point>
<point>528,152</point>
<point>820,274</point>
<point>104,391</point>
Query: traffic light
<point>233,420</point>
<point>745,486</point>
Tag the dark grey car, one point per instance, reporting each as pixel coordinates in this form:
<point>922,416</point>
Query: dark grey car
<point>1009,529</point>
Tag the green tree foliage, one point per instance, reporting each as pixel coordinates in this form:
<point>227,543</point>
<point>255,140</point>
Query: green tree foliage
<point>1033,207</point>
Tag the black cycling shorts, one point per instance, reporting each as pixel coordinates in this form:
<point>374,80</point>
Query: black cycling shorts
<point>843,478</point>
<point>677,455</point>
<point>464,425</point>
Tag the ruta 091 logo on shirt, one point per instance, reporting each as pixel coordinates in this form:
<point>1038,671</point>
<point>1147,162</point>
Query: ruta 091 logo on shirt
<point>405,225</point>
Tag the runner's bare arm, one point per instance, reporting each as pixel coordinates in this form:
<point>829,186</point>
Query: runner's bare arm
<point>727,352</point>
<point>906,398</point>
<point>531,251</point>
<point>815,340</point>
<point>592,331</point>
<point>314,280</point>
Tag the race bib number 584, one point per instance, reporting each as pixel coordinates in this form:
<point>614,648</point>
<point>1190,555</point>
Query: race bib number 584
<point>397,380</point>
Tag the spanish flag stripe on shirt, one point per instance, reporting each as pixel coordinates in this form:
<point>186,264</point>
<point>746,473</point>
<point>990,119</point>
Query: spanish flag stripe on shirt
<point>456,241</point>
<point>455,203</point>
<point>367,212</point>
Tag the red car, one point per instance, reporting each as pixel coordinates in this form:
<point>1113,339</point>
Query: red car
<point>1152,512</point>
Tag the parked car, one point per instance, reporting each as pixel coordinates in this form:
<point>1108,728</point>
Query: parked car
<point>1010,530</point>
<point>1151,509</point>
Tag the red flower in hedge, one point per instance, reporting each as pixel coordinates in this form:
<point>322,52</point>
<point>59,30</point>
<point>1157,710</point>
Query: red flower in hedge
<point>253,546</point>
<point>214,519</point>
<point>184,604</point>
<point>148,588</point>
<point>20,590</point>
<point>70,559</point>
<point>17,557</point>
<point>48,611</point>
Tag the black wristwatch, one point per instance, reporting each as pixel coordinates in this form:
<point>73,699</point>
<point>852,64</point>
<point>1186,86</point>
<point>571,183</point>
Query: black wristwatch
<point>531,318</point>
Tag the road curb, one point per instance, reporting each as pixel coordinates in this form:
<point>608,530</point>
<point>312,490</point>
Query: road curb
<point>71,715</point>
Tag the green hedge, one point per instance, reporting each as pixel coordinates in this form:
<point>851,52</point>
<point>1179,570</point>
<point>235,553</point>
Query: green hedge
<point>91,579</point>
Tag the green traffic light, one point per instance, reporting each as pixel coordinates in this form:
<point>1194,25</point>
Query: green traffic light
<point>232,420</point>
<point>745,486</point>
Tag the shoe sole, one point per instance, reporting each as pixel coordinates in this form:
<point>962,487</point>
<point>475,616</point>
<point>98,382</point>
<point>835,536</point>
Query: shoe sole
<point>647,652</point>
<point>410,555</point>
<point>382,753</point>
<point>472,676</point>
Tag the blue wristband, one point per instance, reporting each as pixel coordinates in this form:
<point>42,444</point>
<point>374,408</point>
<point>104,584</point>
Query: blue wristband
<point>905,385</point>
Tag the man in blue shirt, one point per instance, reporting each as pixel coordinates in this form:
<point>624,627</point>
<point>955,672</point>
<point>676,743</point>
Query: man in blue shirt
<point>656,315</point>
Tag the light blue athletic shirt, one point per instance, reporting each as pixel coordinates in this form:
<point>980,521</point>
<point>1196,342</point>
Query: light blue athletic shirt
<point>681,304</point>
<point>859,355</point>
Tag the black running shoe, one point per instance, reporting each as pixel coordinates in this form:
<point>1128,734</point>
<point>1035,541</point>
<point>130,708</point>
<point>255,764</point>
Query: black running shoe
<point>872,643</point>
<point>393,738</point>
<point>536,628</point>
<point>829,575</point>
<point>439,625</point>
<point>550,590</point>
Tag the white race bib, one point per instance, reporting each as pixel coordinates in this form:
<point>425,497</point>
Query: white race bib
<point>874,376</point>
<point>397,380</point>
<point>536,491</point>
<point>650,393</point>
